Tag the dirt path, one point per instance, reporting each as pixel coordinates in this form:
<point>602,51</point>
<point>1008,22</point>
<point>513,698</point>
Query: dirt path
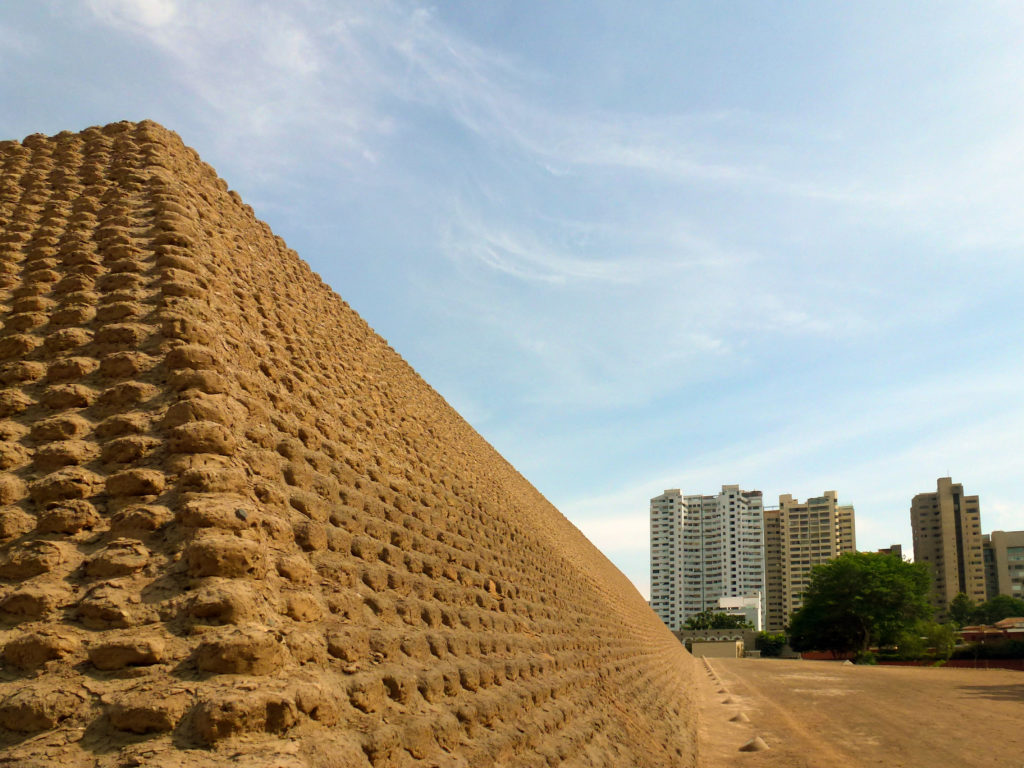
<point>824,714</point>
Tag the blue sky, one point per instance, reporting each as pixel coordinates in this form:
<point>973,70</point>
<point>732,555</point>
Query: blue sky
<point>637,245</point>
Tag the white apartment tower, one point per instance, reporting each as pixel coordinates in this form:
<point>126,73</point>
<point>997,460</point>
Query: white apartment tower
<point>667,557</point>
<point>704,548</point>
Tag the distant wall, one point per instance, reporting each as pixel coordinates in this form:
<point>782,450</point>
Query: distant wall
<point>747,636</point>
<point>721,650</point>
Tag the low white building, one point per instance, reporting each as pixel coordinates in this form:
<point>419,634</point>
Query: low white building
<point>750,607</point>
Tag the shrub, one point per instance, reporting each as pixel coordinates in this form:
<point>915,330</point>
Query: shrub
<point>998,649</point>
<point>925,640</point>
<point>769,644</point>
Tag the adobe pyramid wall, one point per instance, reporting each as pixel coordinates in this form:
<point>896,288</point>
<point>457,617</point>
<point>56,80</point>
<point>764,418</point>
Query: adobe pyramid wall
<point>237,528</point>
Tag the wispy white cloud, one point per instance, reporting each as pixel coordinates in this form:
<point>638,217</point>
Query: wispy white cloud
<point>275,77</point>
<point>597,255</point>
<point>506,252</point>
<point>338,74</point>
<point>606,315</point>
<point>145,13</point>
<point>330,69</point>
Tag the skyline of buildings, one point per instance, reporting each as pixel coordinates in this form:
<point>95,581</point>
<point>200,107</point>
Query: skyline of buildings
<point>718,552</point>
<point>723,551</point>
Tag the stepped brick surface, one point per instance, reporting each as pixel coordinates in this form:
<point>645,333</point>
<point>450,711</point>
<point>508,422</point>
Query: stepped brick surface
<point>236,528</point>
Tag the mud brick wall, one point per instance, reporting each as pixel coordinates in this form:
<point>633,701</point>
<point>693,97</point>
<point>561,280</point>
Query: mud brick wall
<point>236,528</point>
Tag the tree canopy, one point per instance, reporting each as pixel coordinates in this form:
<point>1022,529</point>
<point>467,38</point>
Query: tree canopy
<point>964,611</point>
<point>927,639</point>
<point>860,599</point>
<point>712,620</point>
<point>770,644</point>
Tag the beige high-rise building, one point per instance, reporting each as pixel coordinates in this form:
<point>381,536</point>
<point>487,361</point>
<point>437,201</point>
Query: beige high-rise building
<point>947,537</point>
<point>798,536</point>
<point>1004,563</point>
<point>775,614</point>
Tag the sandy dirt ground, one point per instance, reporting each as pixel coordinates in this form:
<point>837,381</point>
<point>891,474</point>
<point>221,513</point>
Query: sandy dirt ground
<point>816,714</point>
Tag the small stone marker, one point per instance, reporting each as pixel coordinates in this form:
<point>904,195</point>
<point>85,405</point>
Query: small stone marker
<point>756,744</point>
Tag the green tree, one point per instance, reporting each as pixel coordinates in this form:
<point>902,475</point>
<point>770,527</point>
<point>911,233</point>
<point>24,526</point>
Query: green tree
<point>912,644</point>
<point>962,610</point>
<point>998,608</point>
<point>769,644</point>
<point>860,599</point>
<point>712,620</point>
<point>941,639</point>
<point>927,639</point>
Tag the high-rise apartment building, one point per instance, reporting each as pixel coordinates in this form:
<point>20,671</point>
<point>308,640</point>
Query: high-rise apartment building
<point>775,612</point>
<point>1004,563</point>
<point>798,536</point>
<point>704,548</point>
<point>947,537</point>
<point>667,557</point>
<point>988,560</point>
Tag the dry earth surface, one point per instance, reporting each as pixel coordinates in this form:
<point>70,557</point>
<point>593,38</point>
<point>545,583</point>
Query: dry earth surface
<point>236,528</point>
<point>817,714</point>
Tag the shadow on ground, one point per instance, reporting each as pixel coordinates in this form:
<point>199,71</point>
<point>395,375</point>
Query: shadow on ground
<point>995,692</point>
